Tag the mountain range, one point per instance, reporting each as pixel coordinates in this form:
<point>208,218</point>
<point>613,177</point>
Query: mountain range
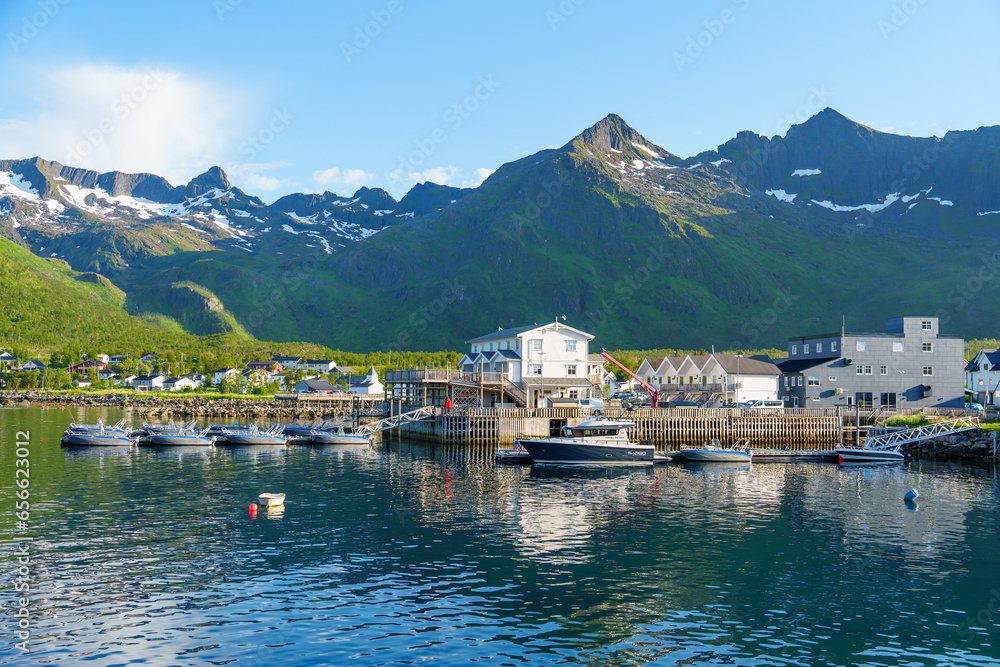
<point>741,247</point>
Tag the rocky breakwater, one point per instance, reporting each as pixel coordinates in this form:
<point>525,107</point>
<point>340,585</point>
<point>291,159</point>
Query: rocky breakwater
<point>972,446</point>
<point>158,406</point>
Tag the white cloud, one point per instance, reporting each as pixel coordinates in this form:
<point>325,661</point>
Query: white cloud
<point>336,177</point>
<point>478,176</point>
<point>132,119</point>
<point>247,176</point>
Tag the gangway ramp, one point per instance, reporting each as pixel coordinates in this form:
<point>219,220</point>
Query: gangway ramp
<point>895,440</point>
<point>419,414</point>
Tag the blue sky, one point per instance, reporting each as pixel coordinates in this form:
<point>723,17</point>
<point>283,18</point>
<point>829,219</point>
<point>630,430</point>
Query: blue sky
<point>299,98</point>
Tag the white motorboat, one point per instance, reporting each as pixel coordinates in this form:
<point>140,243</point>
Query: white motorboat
<point>591,441</point>
<point>869,455</point>
<point>714,452</point>
<point>271,499</point>
<point>97,439</point>
<point>254,436</point>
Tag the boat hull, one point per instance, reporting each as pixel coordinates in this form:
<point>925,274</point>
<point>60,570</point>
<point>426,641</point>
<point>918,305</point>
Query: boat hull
<point>339,439</point>
<point>552,451</point>
<point>243,440</point>
<point>271,499</point>
<point>91,440</point>
<point>862,454</point>
<point>164,440</point>
<point>716,455</point>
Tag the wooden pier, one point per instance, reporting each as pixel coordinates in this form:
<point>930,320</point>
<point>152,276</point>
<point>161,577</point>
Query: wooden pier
<point>790,429</point>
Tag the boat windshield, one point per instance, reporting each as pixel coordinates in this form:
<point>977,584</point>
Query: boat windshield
<point>592,432</point>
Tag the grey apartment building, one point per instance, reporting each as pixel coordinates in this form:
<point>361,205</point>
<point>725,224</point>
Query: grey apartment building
<point>910,365</point>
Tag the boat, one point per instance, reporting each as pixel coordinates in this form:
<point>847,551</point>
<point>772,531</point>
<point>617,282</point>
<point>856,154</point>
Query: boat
<point>185,439</point>
<point>96,439</point>
<point>714,452</point>
<point>100,427</point>
<point>255,436</point>
<point>339,436</point>
<point>869,455</point>
<point>592,441</point>
<point>515,454</point>
<point>221,432</point>
<point>271,499</point>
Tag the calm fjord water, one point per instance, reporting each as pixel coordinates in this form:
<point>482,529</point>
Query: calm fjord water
<point>418,553</point>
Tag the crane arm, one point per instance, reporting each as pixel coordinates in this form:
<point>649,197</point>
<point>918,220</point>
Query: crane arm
<point>654,394</point>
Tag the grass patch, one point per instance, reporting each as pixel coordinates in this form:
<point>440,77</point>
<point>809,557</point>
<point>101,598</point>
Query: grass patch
<point>911,421</point>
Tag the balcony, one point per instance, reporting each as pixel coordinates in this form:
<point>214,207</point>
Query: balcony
<point>698,388</point>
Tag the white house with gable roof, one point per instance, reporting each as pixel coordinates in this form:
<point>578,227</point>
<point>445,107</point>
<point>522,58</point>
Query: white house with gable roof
<point>548,360</point>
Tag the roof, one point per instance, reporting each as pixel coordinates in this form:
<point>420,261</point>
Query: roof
<point>283,359</point>
<point>799,365</point>
<point>148,377</point>
<point>756,365</point>
<point>319,361</point>
<point>172,380</point>
<point>319,384</point>
<point>226,370</point>
<point>596,359</point>
<point>507,354</point>
<point>654,362</point>
<point>507,333</point>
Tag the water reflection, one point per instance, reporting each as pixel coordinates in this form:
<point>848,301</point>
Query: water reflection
<point>414,552</point>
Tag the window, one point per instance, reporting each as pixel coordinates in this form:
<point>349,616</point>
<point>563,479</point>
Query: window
<point>868,370</point>
<point>925,325</point>
<point>535,369</point>
<point>813,381</point>
<point>819,347</point>
<point>861,370</point>
<point>928,371</point>
<point>928,347</point>
<point>571,369</point>
<point>887,400</point>
<point>805,349</point>
<point>864,400</point>
<point>571,346</point>
<point>833,347</point>
<point>795,349</point>
<point>816,399</point>
<point>897,347</point>
<point>800,380</point>
<point>517,344</point>
<point>536,345</point>
<point>786,382</point>
<point>861,346</point>
<point>882,370</point>
<point>573,393</point>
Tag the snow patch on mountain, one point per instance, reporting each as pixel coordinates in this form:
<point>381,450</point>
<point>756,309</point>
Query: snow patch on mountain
<point>806,172</point>
<point>871,208</point>
<point>782,195</point>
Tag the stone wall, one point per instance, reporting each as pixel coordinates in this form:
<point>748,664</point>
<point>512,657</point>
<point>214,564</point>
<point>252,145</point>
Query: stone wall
<point>972,445</point>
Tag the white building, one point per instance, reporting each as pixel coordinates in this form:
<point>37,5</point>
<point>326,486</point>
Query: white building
<point>178,384</point>
<point>982,377</point>
<point>148,382</point>
<point>548,360</point>
<point>368,385</point>
<point>223,373</point>
<point>713,379</point>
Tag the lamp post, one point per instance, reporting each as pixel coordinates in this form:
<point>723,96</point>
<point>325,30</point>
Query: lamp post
<point>541,374</point>
<point>899,397</point>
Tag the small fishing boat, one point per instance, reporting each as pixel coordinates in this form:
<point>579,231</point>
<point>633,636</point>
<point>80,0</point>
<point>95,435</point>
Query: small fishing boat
<point>116,429</point>
<point>272,436</point>
<point>339,435</point>
<point>221,432</point>
<point>185,439</point>
<point>714,452</point>
<point>97,439</point>
<point>869,455</point>
<point>515,454</point>
<point>271,499</point>
<point>592,441</point>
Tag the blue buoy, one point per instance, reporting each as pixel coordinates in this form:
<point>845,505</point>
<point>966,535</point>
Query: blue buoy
<point>911,495</point>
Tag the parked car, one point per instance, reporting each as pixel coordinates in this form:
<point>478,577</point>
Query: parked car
<point>683,404</point>
<point>975,406</point>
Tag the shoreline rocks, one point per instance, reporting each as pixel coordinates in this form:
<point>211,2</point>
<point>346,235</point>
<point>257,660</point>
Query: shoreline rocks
<point>159,406</point>
<point>970,446</point>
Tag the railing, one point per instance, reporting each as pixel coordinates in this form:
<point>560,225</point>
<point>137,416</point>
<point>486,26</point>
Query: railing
<point>696,388</point>
<point>445,375</point>
<point>896,439</point>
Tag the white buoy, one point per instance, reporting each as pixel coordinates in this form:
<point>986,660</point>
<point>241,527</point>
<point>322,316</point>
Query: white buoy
<point>911,495</point>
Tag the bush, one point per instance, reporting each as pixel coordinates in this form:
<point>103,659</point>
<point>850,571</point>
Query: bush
<point>911,421</point>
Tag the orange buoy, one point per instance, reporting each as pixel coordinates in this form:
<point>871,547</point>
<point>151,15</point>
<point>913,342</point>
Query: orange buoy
<point>253,509</point>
